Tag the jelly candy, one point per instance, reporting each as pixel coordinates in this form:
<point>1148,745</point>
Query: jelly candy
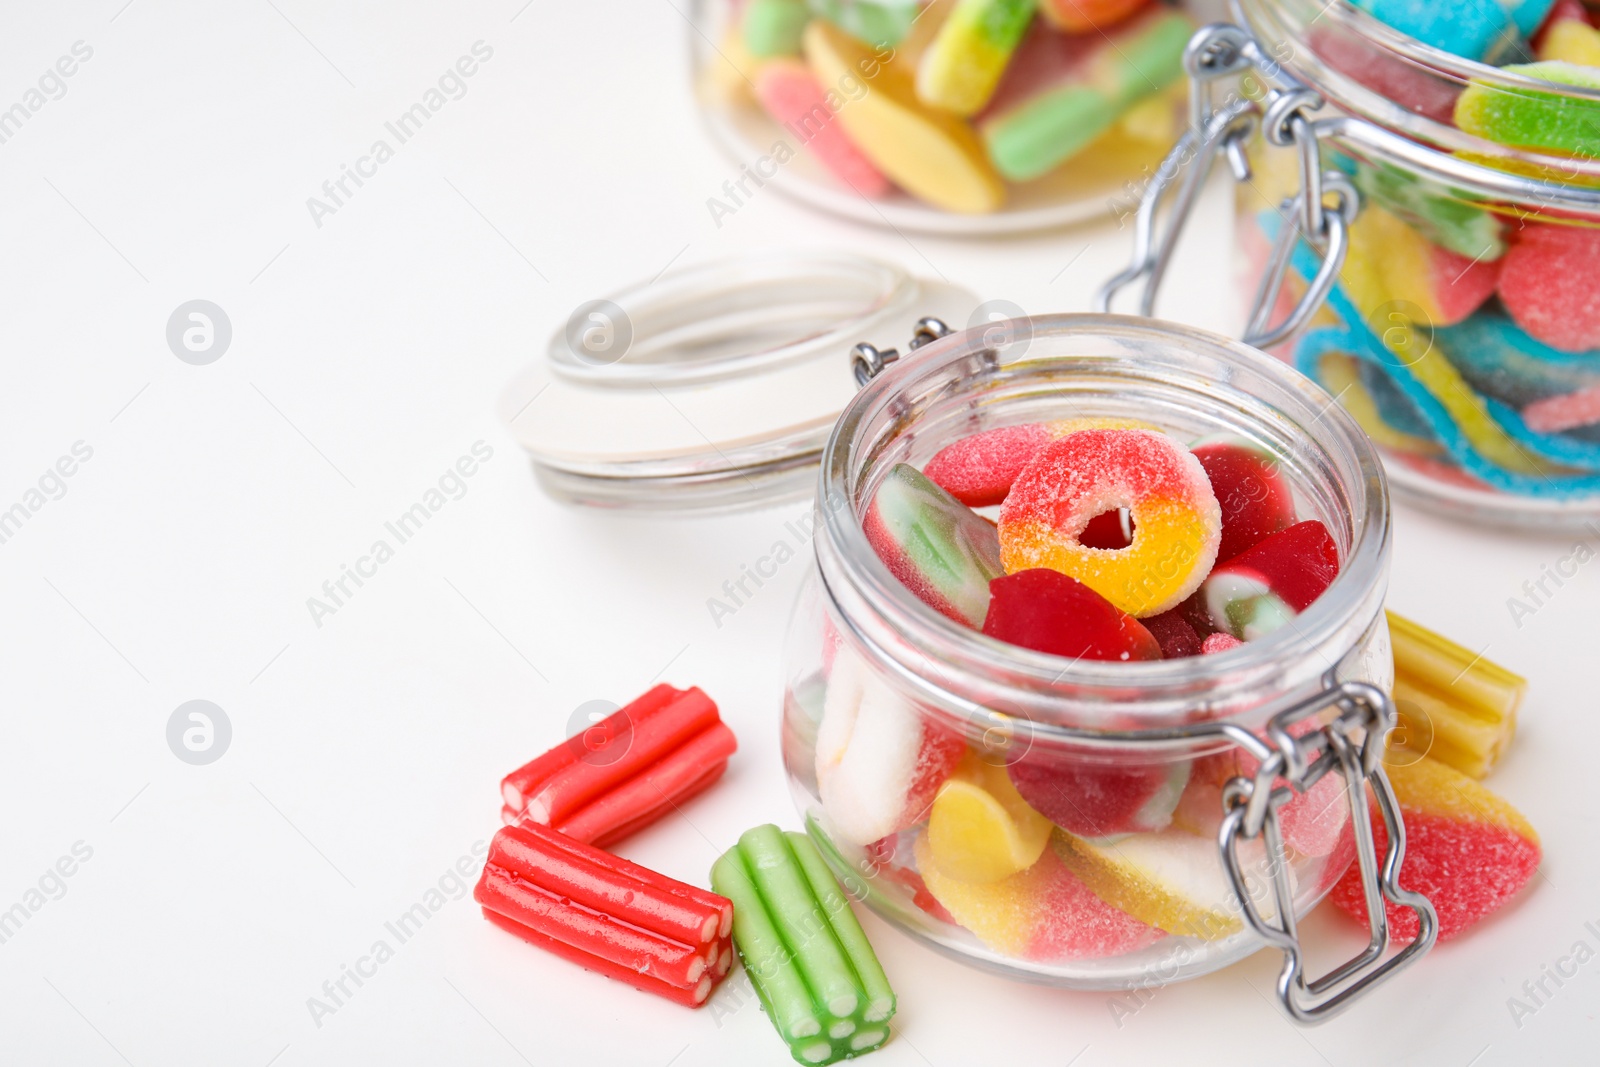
<point>1260,590</point>
<point>1386,74</point>
<point>879,763</point>
<point>1471,30</point>
<point>791,94</point>
<point>1081,16</point>
<point>1571,40</point>
<point>931,154</point>
<point>1391,264</point>
<point>773,27</point>
<point>877,22</point>
<point>1043,913</point>
<point>1215,643</point>
<point>1098,795</point>
<point>980,829</point>
<point>1174,633</point>
<point>810,962</point>
<point>1254,496</point>
<point>1568,411</point>
<point>961,68</point>
<point>1550,283</point>
<point>1063,92</point>
<point>1531,118</point>
<point>1454,225</point>
<point>1171,880</point>
<point>606,914</point>
<point>978,469</point>
<point>942,551</point>
<point>1177,521</point>
<point>1048,611</point>
<point>1467,850</point>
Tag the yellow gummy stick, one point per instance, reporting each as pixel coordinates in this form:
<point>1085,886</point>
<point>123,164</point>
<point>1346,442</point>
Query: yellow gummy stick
<point>1458,706</point>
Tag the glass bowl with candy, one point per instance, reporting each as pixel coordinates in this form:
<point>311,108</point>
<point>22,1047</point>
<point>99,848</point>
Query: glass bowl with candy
<point>1088,682</point>
<point>1457,146</point>
<point>953,116</point>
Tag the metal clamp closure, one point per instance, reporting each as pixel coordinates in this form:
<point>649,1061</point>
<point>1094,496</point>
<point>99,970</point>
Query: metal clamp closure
<point>1223,128</point>
<point>1352,746</point>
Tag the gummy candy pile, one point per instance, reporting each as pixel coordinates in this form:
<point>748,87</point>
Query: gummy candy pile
<point>1113,541</point>
<point>952,99</point>
<point>1465,338</point>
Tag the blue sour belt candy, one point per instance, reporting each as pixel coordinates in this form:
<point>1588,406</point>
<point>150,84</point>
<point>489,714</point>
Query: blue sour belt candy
<point>1487,439</point>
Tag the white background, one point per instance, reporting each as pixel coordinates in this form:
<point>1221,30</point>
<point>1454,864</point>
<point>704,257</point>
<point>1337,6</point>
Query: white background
<point>366,357</point>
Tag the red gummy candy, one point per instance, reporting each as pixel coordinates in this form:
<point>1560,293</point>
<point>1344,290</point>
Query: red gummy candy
<point>1048,611</point>
<point>1215,643</point>
<point>1255,498</point>
<point>1251,594</point>
<point>1099,797</point>
<point>1467,851</point>
<point>1174,633</point>
<point>979,470</point>
<point>1550,283</point>
<point>1387,75</point>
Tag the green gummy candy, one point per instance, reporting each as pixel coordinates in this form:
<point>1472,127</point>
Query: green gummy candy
<point>1531,118</point>
<point>885,22</point>
<point>773,27</point>
<point>1447,222</point>
<point>806,954</point>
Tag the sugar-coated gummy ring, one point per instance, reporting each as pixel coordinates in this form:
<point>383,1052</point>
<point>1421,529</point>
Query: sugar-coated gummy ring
<point>1176,519</point>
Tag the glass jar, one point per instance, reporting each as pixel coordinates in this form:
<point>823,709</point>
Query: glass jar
<point>1462,332</point>
<point>849,132</point>
<point>1199,806</point>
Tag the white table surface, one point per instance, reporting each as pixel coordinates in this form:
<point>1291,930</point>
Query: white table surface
<point>365,359</point>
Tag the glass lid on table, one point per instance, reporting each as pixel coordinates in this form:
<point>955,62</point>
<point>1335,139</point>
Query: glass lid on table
<point>950,116</point>
<point>714,386</point>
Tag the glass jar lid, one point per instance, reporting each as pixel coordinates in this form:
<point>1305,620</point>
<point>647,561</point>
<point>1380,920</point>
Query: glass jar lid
<point>715,386</point>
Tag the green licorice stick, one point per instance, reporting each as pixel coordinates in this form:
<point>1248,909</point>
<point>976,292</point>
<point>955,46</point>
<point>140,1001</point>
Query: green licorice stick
<point>799,917</point>
<point>874,983</point>
<point>766,957</point>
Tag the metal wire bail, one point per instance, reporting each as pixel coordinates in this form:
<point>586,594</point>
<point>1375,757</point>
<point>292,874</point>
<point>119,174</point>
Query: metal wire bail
<point>1218,51</point>
<point>1251,805</point>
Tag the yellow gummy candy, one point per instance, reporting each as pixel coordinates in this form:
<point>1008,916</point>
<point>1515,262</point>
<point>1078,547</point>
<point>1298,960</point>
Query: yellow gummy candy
<point>980,830</point>
<point>1572,41</point>
<point>1004,914</point>
<point>1171,880</point>
<point>933,156</point>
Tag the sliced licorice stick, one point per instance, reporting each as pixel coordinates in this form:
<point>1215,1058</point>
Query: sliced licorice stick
<point>656,752</point>
<point>606,913</point>
<point>625,809</point>
<point>807,956</point>
<point>1453,704</point>
<point>612,885</point>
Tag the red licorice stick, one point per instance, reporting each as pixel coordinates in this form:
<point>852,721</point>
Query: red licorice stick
<point>607,914</point>
<point>654,791</point>
<point>599,825</point>
<point>691,996</point>
<point>625,771</point>
<point>610,885</point>
<point>525,780</point>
